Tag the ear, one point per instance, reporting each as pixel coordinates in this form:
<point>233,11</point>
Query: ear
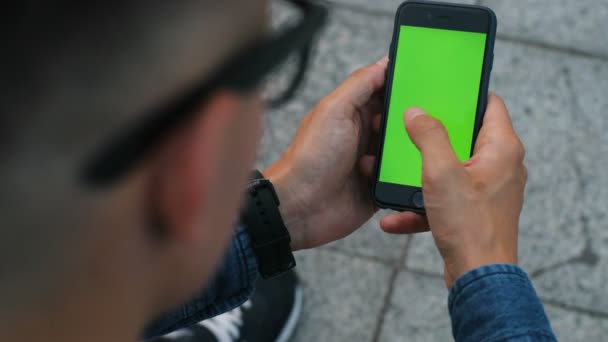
<point>185,166</point>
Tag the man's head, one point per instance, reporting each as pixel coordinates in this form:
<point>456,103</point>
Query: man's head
<point>74,75</point>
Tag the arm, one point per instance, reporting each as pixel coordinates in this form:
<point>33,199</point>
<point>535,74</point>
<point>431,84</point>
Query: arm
<point>497,303</point>
<point>232,285</point>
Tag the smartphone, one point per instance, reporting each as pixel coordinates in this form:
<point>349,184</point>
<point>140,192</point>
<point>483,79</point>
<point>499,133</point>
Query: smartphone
<point>440,60</point>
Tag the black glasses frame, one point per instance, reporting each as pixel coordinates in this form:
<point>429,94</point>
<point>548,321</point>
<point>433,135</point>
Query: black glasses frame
<point>242,74</point>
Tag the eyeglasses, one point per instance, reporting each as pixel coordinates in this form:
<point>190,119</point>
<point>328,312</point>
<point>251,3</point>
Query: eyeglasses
<point>242,74</point>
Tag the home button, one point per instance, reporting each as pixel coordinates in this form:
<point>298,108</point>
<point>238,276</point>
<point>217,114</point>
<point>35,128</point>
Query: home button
<point>418,200</point>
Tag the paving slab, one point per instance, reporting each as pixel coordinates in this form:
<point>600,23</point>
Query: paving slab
<point>558,103</point>
<point>577,285</point>
<point>417,310</point>
<point>423,255</point>
<point>572,326</point>
<point>575,25</point>
<point>371,241</point>
<point>589,85</point>
<point>579,25</point>
<point>343,296</point>
<point>388,7</point>
<point>581,282</point>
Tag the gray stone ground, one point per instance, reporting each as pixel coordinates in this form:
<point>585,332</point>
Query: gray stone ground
<point>552,69</point>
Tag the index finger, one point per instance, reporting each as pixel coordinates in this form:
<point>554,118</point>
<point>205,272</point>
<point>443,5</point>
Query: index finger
<point>497,123</point>
<point>496,118</point>
<point>362,84</point>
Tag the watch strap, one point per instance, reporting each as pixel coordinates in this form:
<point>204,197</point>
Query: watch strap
<point>269,236</point>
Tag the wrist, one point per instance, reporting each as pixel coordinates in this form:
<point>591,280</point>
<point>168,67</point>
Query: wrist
<point>290,208</point>
<point>471,262</point>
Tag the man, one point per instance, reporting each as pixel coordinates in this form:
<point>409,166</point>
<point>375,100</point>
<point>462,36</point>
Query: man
<point>128,142</point>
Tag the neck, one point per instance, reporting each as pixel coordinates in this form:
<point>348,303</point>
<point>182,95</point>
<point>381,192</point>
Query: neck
<point>96,306</point>
<point>79,317</point>
<point>65,330</point>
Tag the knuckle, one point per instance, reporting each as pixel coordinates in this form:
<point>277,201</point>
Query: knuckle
<point>521,150</point>
<point>518,151</point>
<point>438,174</point>
<point>430,177</point>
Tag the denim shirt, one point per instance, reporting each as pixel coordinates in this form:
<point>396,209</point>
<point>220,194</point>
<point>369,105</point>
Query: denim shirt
<point>231,286</point>
<point>490,303</point>
<point>497,303</point>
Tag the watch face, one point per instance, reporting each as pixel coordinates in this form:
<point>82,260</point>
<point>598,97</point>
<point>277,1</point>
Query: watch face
<point>253,183</point>
<point>257,183</point>
<point>255,179</point>
<point>256,174</point>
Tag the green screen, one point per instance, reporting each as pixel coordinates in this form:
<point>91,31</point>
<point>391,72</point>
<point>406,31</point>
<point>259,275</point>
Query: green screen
<point>440,71</point>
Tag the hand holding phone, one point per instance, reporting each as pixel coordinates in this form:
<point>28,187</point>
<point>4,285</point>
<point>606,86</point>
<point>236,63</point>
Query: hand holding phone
<point>440,60</point>
<point>472,208</point>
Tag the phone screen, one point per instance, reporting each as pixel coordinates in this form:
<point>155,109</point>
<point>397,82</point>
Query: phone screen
<point>440,71</point>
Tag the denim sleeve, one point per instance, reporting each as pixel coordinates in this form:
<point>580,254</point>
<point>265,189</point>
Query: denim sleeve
<point>231,286</point>
<point>497,303</point>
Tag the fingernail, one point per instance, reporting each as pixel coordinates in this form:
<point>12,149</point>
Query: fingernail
<point>383,62</point>
<point>413,112</point>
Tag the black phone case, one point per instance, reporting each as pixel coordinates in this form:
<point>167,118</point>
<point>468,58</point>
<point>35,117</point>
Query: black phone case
<point>483,93</point>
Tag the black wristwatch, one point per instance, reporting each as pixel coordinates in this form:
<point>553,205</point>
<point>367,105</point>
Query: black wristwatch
<point>269,236</point>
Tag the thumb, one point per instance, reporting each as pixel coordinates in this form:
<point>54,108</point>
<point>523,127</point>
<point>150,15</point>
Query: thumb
<point>431,138</point>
